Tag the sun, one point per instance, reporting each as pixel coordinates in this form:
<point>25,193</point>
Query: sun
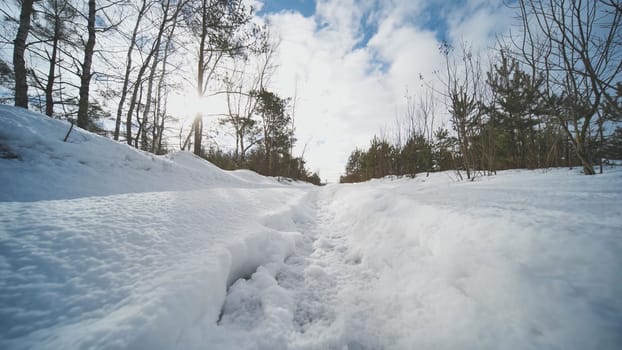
<point>185,105</point>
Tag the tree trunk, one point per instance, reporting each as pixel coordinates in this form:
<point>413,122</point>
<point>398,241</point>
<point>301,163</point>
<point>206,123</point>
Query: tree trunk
<point>160,113</point>
<point>198,133</point>
<point>19,65</point>
<point>579,143</point>
<point>138,120</point>
<point>85,78</point>
<point>602,144</point>
<point>588,168</point>
<point>149,100</point>
<point>49,87</point>
<point>141,72</point>
<point>128,70</point>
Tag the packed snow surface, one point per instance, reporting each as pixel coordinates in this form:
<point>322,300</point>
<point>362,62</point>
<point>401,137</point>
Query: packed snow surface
<point>106,247</point>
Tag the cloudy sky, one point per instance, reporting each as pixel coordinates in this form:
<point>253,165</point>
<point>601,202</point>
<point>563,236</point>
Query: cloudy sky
<point>353,61</point>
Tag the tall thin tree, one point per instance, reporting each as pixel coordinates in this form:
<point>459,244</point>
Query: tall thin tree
<point>86,74</point>
<point>19,47</point>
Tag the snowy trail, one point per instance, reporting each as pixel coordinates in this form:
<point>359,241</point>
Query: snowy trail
<point>303,302</point>
<point>329,272</point>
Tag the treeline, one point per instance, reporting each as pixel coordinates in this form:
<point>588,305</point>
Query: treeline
<point>110,66</point>
<point>285,166</point>
<point>549,97</point>
<point>264,142</point>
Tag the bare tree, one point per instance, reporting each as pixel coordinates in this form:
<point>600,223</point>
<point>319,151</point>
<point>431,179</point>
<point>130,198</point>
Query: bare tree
<point>464,87</point>
<point>165,21</point>
<point>58,8</point>
<point>52,42</point>
<point>221,28</point>
<point>426,116</point>
<point>160,113</point>
<point>243,98</point>
<point>145,4</point>
<point>582,64</point>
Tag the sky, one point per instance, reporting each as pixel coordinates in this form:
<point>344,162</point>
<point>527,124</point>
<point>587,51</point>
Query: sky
<point>351,63</point>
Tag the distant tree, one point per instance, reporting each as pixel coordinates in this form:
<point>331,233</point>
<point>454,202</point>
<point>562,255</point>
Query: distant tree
<point>242,89</point>
<point>463,83</point>
<point>354,167</point>
<point>275,123</point>
<point>7,77</point>
<point>612,148</point>
<point>445,150</point>
<point>315,179</point>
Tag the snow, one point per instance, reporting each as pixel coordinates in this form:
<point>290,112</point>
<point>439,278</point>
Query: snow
<point>91,165</point>
<point>106,247</point>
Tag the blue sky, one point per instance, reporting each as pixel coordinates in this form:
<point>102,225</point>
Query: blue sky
<point>305,7</point>
<point>433,17</point>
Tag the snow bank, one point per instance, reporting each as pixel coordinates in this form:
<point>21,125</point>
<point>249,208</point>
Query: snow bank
<point>523,260</point>
<point>38,165</point>
<point>132,271</point>
<point>100,249</point>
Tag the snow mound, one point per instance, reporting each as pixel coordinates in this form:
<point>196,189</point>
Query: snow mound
<point>32,146</point>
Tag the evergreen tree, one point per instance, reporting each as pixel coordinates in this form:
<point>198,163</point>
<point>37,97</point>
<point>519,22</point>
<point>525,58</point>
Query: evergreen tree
<point>277,133</point>
<point>514,112</point>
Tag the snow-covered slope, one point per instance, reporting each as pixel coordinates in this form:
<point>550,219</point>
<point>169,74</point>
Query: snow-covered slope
<point>105,247</point>
<point>42,166</point>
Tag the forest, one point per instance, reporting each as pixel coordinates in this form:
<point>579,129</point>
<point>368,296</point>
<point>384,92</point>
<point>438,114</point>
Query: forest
<point>100,61</point>
<point>549,95</point>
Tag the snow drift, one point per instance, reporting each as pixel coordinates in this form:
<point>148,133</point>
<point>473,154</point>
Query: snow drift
<point>38,165</point>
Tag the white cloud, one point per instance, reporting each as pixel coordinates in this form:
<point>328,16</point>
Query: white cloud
<point>347,92</point>
<point>480,23</point>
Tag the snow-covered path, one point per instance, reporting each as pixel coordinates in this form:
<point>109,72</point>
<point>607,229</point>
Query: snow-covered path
<point>298,303</point>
